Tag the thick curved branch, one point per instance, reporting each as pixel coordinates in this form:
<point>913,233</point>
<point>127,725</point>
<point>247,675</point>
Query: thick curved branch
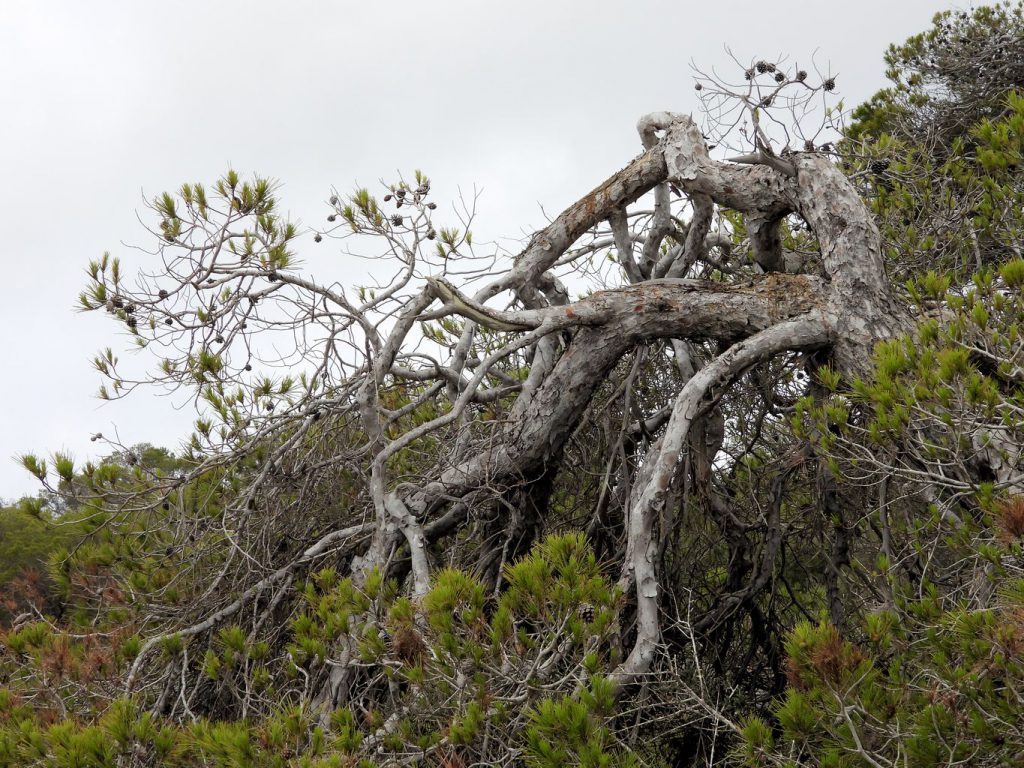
<point>694,246</point>
<point>624,245</point>
<point>765,242</point>
<point>661,221</point>
<point>714,305</point>
<point>806,332</point>
<point>456,303</point>
<point>742,188</point>
<point>544,249</point>
<point>548,245</point>
<point>413,532</point>
<point>612,323</point>
<point>862,307</point>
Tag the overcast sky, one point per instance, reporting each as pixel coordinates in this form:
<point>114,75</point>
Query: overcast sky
<point>108,103</point>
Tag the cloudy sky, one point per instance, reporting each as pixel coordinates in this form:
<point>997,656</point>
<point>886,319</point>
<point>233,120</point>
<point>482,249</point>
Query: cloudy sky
<point>109,103</point>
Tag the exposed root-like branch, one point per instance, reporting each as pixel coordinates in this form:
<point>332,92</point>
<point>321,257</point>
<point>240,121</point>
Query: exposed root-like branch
<point>696,396</point>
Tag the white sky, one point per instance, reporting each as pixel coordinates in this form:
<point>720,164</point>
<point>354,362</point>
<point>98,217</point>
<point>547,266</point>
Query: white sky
<point>106,103</point>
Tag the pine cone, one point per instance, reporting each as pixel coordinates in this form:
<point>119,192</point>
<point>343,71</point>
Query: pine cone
<point>585,612</point>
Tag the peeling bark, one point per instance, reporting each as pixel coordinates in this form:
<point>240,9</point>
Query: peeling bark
<point>571,347</point>
<point>848,312</point>
<point>639,572</point>
<point>611,322</point>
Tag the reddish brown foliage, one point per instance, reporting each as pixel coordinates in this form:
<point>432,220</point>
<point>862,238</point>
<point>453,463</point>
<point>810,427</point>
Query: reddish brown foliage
<point>408,644</point>
<point>1010,516</point>
<point>832,658</point>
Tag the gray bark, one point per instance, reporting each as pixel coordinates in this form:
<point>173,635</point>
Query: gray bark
<point>848,311</point>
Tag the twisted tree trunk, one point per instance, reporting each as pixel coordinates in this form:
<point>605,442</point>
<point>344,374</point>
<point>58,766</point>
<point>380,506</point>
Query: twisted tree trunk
<point>841,311</point>
<point>845,311</point>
